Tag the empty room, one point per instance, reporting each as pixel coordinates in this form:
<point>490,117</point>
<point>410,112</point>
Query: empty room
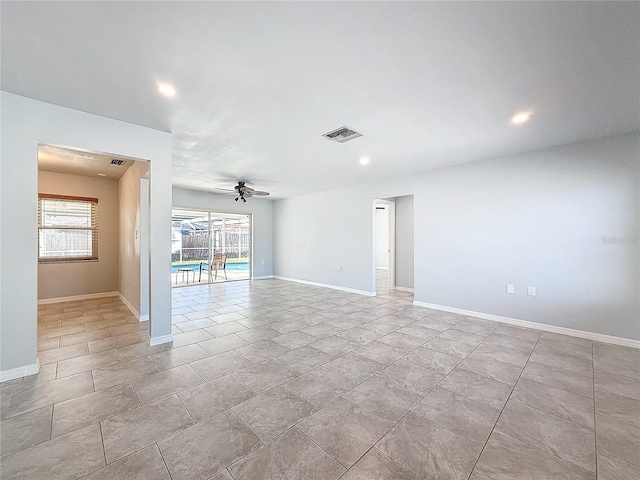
<point>315,240</point>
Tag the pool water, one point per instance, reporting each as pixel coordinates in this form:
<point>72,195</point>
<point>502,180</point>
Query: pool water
<point>231,266</point>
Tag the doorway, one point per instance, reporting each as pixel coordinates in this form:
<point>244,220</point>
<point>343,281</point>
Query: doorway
<point>384,233</point>
<point>209,247</point>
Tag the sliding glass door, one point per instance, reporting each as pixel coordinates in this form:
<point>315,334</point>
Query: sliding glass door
<point>209,247</point>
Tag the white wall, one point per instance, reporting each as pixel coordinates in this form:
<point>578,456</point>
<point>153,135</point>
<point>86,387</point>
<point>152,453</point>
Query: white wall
<point>404,241</point>
<point>25,123</point>
<point>381,229</point>
<point>260,208</point>
<point>534,219</point>
<point>130,238</point>
<point>81,278</point>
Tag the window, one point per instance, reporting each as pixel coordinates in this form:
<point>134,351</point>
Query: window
<point>67,228</point>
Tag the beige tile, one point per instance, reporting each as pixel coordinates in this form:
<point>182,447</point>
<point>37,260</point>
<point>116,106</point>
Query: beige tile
<point>619,408</point>
<point>437,361</point>
<point>207,447</point>
<point>70,456</point>
<point>429,450</point>
<point>122,372</point>
<point>477,387</point>
<point>569,406</point>
<point>145,464</point>
<point>291,455</point>
<point>219,365</point>
<point>130,431</point>
<point>113,322</point>
<point>377,466</point>
<point>138,350</point>
<point>84,337</point>
<point>48,393</point>
<point>272,412</point>
<point>567,440</point>
<point>554,377</point>
<point>320,386</point>
<point>354,367</point>
<point>153,387</point>
<point>87,362</point>
<point>189,338</point>
<point>505,458</point>
<point>45,332</point>
<point>611,468</point>
<point>410,376</point>
<point>113,342</point>
<point>450,347</point>
<point>343,430</point>
<point>87,409</point>
<point>471,420</point>
<point>382,398</point>
<point>62,353</point>
<point>48,343</point>
<point>618,384</point>
<point>25,430</point>
<point>179,356</point>
<point>265,375</point>
<point>213,397</point>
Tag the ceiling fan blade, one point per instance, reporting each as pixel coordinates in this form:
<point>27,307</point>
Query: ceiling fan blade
<point>223,190</point>
<point>258,193</point>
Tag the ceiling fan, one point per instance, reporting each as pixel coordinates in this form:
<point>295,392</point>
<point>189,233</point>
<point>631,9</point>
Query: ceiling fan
<point>245,192</point>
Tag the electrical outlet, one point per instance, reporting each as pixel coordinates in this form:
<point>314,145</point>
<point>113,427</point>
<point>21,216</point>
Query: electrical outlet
<point>511,288</point>
<point>531,291</point>
<point>262,262</point>
<point>340,268</point>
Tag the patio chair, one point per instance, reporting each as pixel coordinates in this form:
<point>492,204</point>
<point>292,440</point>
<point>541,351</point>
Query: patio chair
<point>219,263</point>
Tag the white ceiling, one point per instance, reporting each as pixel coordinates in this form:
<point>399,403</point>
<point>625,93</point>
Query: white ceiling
<point>428,84</point>
<point>52,158</point>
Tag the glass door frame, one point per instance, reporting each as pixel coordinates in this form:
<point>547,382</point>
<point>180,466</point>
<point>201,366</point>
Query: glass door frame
<point>211,214</point>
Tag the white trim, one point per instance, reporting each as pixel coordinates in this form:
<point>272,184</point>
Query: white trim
<point>327,285</point>
<point>403,289</point>
<point>18,372</point>
<point>599,337</point>
<point>263,277</point>
<point>46,301</point>
<point>382,268</point>
<point>160,340</point>
<point>130,307</point>
<point>144,318</point>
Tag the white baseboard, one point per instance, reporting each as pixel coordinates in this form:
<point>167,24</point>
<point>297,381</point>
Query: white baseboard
<point>263,277</point>
<point>572,332</point>
<point>144,318</point>
<point>153,341</point>
<point>129,306</point>
<point>403,289</point>
<point>327,285</point>
<point>6,375</point>
<point>46,301</point>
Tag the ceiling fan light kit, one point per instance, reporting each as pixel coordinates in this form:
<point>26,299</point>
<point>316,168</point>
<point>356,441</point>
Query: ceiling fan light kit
<point>245,192</point>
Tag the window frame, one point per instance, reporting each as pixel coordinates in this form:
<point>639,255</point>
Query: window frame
<point>93,202</point>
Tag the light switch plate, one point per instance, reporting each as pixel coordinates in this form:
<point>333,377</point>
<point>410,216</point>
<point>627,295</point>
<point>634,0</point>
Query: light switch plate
<point>511,288</point>
<point>531,291</point>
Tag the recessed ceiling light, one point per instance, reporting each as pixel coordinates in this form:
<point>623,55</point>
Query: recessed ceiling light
<point>520,118</point>
<point>102,174</point>
<point>166,89</point>
<point>364,160</point>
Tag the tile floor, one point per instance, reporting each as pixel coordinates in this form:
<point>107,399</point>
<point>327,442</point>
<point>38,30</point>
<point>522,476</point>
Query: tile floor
<point>271,379</point>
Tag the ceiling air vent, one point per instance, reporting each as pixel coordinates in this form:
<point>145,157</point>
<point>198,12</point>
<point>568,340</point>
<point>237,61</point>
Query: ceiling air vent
<point>342,134</point>
<point>115,161</point>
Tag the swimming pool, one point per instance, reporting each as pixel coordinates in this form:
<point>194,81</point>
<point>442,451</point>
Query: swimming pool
<point>231,266</point>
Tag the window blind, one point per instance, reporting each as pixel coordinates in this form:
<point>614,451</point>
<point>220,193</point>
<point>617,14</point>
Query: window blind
<point>67,228</point>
